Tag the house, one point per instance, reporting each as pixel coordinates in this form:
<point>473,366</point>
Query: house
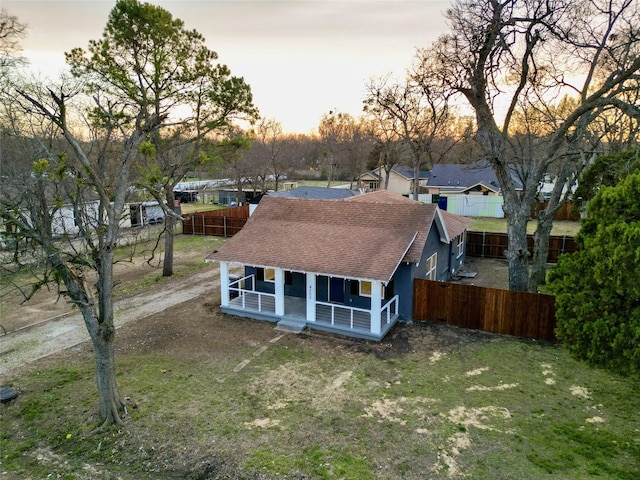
<point>401,179</point>
<point>345,266</point>
<point>469,179</point>
<point>316,193</point>
<point>476,179</point>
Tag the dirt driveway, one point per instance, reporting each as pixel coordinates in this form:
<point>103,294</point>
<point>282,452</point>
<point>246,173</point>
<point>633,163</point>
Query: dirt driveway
<point>35,341</point>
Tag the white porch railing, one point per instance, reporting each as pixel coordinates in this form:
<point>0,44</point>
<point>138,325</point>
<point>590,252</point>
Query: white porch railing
<point>326,313</point>
<point>389,310</point>
<point>343,316</point>
<point>250,298</point>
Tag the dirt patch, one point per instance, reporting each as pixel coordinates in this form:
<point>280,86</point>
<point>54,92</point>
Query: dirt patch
<point>490,273</point>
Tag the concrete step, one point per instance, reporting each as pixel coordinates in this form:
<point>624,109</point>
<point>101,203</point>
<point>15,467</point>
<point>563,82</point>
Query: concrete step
<point>291,325</point>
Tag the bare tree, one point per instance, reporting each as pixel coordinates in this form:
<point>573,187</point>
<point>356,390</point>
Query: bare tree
<point>335,130</point>
<point>83,180</point>
<point>11,31</point>
<point>507,55</point>
<point>416,110</point>
<point>386,148</point>
<point>269,144</point>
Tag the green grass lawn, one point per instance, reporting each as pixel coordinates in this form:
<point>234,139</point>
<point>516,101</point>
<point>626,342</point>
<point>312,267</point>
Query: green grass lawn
<point>452,405</point>
<point>499,225</point>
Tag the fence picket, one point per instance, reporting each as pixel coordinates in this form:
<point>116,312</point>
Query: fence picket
<point>522,314</point>
<point>493,245</point>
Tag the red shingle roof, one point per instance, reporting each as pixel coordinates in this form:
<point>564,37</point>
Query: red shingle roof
<point>366,236</point>
<point>455,223</point>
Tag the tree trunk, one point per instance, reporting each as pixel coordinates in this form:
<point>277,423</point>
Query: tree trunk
<point>538,274</point>
<point>169,232</point>
<point>517,253</point>
<point>99,323</point>
<point>387,171</point>
<point>416,180</point>
<point>110,401</point>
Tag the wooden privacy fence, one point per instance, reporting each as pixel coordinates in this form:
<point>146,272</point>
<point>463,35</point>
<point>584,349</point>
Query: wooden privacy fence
<point>220,223</point>
<point>530,315</point>
<point>493,245</point>
<point>567,211</point>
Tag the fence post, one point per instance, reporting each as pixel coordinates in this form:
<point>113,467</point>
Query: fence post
<point>484,234</point>
<point>224,224</point>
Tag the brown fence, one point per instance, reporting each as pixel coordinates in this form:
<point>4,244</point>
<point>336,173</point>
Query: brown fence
<point>522,314</point>
<point>567,211</point>
<point>220,223</point>
<point>493,245</point>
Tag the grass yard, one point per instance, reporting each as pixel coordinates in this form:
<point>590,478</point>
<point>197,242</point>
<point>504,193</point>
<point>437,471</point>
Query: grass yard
<point>213,396</point>
<point>499,225</point>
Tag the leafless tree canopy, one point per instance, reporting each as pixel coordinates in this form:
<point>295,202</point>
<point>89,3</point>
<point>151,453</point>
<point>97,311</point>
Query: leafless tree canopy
<point>538,74</point>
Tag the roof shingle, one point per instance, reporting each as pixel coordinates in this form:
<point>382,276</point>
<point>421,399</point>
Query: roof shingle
<point>366,236</point>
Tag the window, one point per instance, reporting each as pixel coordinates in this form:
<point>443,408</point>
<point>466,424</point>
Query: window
<point>288,278</point>
<point>432,264</point>
<point>361,288</point>
<point>460,244</point>
<point>269,274</point>
<point>365,289</point>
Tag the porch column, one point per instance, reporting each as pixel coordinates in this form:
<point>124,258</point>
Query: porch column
<point>224,284</point>
<point>376,306</point>
<point>279,291</point>
<point>311,297</point>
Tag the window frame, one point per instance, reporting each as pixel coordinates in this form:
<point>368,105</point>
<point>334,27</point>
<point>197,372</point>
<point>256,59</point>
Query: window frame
<point>460,244</point>
<point>269,274</point>
<point>362,292</point>
<point>431,271</point>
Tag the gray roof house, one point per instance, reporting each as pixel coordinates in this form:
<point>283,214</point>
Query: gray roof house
<point>344,266</point>
<point>308,192</point>
<point>476,178</point>
<point>317,193</point>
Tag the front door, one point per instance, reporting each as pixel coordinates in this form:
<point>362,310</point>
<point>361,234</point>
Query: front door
<point>336,290</point>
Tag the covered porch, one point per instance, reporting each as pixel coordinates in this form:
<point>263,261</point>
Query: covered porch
<point>247,296</point>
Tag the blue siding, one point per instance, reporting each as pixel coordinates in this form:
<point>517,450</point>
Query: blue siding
<point>350,300</point>
<point>447,265</point>
<point>403,287</point>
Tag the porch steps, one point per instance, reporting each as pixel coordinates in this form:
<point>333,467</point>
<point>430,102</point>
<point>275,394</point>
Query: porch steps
<point>291,325</point>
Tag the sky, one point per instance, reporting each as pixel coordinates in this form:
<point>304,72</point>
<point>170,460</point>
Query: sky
<point>302,58</point>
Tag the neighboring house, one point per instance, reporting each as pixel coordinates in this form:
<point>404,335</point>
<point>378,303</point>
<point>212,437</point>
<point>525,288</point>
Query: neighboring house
<point>465,179</point>
<point>345,266</point>
<point>401,179</point>
<point>315,193</point>
<point>475,179</point>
